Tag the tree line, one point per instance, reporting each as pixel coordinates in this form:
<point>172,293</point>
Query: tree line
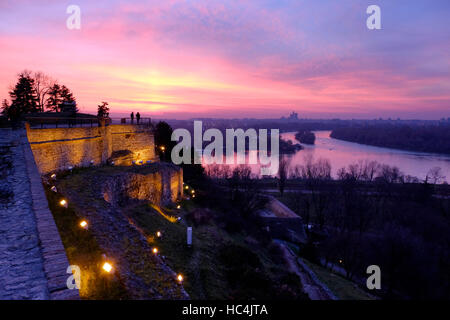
<point>427,138</point>
<point>372,214</point>
<point>36,92</point>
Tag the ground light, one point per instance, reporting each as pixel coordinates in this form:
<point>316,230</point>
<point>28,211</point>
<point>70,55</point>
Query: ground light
<point>63,203</point>
<point>107,267</point>
<point>84,224</point>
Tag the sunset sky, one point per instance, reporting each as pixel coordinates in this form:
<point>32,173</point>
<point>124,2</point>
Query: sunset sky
<point>261,59</point>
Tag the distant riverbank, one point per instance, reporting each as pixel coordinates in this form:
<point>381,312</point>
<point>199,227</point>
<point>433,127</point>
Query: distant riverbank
<point>432,139</point>
<point>342,153</point>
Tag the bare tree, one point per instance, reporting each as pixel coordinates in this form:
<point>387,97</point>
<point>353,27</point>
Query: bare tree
<point>316,176</point>
<point>42,85</point>
<point>283,169</point>
<point>435,175</point>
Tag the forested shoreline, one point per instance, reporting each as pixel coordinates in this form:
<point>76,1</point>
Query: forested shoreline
<point>433,139</point>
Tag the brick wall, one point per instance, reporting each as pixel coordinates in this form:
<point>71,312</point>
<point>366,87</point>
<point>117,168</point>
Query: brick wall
<point>58,148</point>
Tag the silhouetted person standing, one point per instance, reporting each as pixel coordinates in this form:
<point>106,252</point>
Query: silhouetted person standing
<point>132,117</point>
<point>138,117</point>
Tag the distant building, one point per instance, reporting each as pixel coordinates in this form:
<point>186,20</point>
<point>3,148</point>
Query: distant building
<point>293,116</point>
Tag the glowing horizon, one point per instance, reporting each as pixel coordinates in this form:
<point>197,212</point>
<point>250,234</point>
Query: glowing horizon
<point>236,59</point>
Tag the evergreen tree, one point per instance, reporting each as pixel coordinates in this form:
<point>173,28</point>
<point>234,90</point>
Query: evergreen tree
<point>66,95</point>
<point>23,98</point>
<point>54,99</point>
<point>164,144</point>
<point>103,110</point>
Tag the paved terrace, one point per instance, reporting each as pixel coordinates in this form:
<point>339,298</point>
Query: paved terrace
<point>33,262</point>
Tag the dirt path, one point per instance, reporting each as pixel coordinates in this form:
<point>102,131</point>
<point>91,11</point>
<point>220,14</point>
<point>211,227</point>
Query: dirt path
<point>311,286</point>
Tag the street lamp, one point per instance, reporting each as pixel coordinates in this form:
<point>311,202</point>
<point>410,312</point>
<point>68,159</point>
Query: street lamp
<point>84,224</point>
<point>180,278</point>
<point>63,203</point>
<point>107,267</point>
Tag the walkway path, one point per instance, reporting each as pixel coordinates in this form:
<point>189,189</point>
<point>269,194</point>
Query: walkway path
<point>25,268</point>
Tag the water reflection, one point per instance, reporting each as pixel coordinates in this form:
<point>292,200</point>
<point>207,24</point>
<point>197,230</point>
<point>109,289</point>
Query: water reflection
<point>342,153</point>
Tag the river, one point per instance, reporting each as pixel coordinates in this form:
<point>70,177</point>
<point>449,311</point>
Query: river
<point>342,153</point>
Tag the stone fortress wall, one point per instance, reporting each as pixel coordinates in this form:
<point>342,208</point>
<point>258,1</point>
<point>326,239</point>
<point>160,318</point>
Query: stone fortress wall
<point>56,149</point>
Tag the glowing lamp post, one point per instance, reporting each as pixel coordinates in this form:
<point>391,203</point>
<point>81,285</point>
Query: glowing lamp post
<point>163,148</point>
<point>180,278</point>
<point>155,251</point>
<point>63,203</point>
<point>178,207</point>
<point>158,234</point>
<point>84,224</point>
<point>107,267</point>
<point>186,187</point>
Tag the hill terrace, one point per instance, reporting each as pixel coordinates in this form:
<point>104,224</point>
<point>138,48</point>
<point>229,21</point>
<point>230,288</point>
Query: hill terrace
<point>33,155</point>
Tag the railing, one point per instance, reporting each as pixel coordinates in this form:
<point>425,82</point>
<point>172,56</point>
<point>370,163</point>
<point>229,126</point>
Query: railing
<point>141,121</point>
<point>72,122</point>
